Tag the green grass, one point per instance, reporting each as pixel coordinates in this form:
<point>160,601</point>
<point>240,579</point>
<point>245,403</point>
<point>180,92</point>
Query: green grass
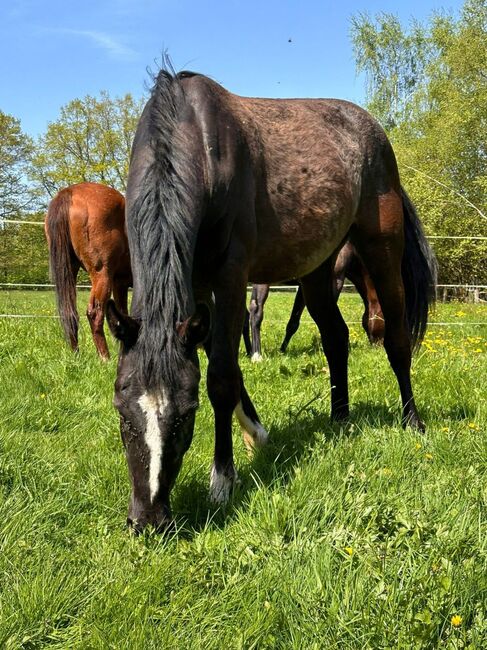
<point>365,536</point>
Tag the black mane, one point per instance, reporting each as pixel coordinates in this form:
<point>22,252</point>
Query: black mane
<point>161,233</point>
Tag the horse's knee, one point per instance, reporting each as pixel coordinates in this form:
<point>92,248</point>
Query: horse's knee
<point>223,387</point>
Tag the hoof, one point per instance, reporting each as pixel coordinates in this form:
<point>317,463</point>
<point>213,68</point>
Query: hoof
<point>221,485</point>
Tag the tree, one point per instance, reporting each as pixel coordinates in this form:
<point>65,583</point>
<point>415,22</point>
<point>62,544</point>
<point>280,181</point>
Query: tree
<point>90,141</point>
<point>436,117</point>
<point>15,149</point>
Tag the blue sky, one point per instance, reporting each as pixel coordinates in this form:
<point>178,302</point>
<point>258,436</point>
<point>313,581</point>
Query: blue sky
<point>52,51</point>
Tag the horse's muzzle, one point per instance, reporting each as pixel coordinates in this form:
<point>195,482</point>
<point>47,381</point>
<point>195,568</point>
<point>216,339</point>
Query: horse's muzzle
<point>159,519</point>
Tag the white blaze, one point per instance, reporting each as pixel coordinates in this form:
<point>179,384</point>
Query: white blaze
<point>152,406</point>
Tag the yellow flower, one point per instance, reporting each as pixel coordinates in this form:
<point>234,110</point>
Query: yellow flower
<point>456,620</point>
<point>473,426</point>
<point>444,429</point>
<point>348,550</point>
<point>418,446</point>
<point>428,456</point>
<point>42,395</point>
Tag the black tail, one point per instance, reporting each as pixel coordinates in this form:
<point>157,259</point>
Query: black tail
<point>419,272</point>
<point>61,258</point>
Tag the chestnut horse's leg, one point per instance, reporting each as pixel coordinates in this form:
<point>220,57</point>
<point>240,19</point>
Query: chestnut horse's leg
<point>224,379</point>
<point>294,319</point>
<point>100,292</point>
<point>120,294</point>
<point>380,243</point>
<point>260,293</point>
<point>320,300</point>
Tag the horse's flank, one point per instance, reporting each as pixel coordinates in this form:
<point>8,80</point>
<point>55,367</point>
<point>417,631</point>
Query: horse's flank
<point>85,227</point>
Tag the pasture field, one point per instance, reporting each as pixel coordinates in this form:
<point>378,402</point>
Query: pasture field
<point>355,536</point>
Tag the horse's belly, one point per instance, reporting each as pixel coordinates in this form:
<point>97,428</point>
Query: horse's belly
<point>286,256</point>
<point>293,242</point>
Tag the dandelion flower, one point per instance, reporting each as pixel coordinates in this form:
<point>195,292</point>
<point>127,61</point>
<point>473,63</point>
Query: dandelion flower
<point>428,456</point>
<point>456,620</point>
<point>349,550</point>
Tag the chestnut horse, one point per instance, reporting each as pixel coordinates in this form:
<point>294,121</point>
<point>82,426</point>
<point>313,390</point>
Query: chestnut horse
<point>224,190</point>
<point>85,227</point>
<point>348,264</point>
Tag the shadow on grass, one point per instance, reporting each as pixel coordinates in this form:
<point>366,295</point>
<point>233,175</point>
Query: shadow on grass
<point>275,462</point>
<point>289,445</point>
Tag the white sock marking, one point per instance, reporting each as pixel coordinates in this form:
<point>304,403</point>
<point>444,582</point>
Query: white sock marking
<point>152,406</point>
<point>256,358</point>
<point>221,486</point>
<point>254,434</point>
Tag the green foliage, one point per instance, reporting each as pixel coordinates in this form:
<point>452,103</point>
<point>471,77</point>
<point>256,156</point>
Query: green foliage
<point>394,63</point>
<point>23,252</point>
<point>361,536</point>
<point>90,141</point>
<point>435,112</point>
<point>15,149</point>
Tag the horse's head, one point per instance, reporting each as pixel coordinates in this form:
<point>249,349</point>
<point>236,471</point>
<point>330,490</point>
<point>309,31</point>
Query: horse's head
<point>156,424</point>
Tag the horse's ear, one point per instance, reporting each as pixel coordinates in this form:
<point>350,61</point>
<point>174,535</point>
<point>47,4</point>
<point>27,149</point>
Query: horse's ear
<point>123,328</point>
<point>195,329</point>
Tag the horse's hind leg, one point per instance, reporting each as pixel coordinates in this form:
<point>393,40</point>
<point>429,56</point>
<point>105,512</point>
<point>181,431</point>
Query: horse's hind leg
<point>379,240</point>
<point>246,333</point>
<point>120,294</point>
<point>100,292</point>
<point>294,319</point>
<point>254,434</point>
<point>372,318</point>
<point>320,300</point>
<point>260,293</point>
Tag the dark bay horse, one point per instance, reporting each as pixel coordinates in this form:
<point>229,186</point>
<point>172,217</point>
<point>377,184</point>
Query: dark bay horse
<point>85,227</point>
<point>223,190</point>
<point>348,264</point>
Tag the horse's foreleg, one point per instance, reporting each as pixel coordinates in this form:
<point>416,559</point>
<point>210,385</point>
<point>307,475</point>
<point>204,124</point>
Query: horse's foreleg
<point>100,292</point>
<point>294,319</point>
<point>321,304</point>
<point>224,379</point>
<point>260,293</point>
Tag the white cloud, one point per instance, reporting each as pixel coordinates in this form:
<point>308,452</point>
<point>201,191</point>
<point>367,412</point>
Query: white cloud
<point>114,48</point>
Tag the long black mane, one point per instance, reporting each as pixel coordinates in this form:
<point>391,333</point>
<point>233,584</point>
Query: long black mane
<point>161,231</point>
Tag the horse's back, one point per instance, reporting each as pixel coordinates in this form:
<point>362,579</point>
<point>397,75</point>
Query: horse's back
<point>97,226</point>
<point>309,160</point>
